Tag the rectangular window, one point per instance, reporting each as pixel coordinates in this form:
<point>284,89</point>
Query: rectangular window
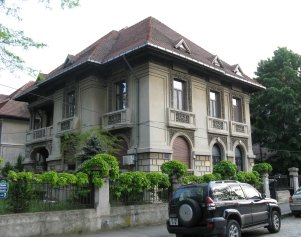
<point>178,95</point>
<point>237,109</point>
<point>215,105</point>
<point>121,91</point>
<point>70,104</point>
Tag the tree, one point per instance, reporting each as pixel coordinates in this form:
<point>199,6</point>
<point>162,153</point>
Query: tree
<point>11,39</point>
<point>276,111</point>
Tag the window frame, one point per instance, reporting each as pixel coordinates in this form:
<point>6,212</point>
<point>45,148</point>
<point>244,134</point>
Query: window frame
<point>121,95</point>
<point>66,105</point>
<point>220,91</point>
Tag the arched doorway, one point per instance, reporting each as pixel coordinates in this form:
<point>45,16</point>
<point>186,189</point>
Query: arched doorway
<point>216,154</point>
<point>238,159</point>
<point>39,156</point>
<point>181,150</point>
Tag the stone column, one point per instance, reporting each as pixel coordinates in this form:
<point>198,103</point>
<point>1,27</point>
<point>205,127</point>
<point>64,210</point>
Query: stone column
<point>293,173</point>
<point>266,186</point>
<point>102,199</point>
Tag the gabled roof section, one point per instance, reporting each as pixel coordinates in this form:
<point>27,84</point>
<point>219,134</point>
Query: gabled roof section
<point>155,35</point>
<point>217,62</point>
<point>69,60</point>
<point>181,45</point>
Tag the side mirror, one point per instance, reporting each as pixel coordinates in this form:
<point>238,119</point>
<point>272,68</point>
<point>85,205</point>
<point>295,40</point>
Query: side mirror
<point>263,196</point>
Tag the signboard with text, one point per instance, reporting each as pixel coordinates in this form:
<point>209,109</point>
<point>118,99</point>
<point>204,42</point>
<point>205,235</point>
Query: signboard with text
<point>3,188</point>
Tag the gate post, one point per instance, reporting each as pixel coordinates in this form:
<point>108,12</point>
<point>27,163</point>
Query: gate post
<point>102,199</point>
<point>294,182</point>
<point>266,187</point>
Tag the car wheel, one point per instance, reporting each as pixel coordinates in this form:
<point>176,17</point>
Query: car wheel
<point>188,212</point>
<point>275,222</point>
<point>233,229</point>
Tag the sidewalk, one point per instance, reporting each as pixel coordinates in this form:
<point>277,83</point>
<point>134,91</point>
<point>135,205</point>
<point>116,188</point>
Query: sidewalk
<point>285,209</point>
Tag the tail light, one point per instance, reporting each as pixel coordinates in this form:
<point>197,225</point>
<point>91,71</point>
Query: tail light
<point>290,200</point>
<point>210,203</point>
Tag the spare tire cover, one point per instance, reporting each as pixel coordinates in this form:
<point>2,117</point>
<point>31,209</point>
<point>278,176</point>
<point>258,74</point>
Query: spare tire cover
<point>188,212</point>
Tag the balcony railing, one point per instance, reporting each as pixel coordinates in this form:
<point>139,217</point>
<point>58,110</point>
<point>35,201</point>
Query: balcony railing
<point>179,118</point>
<point>68,124</point>
<point>117,119</point>
<point>40,134</point>
<point>239,129</point>
<point>217,125</point>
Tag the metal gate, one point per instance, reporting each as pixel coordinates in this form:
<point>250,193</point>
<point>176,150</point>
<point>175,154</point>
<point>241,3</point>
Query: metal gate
<point>280,182</point>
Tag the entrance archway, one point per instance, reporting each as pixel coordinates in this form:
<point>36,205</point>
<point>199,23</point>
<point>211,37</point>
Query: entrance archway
<point>39,156</point>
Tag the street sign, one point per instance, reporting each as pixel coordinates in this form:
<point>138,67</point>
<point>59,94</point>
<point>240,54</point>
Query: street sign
<point>4,185</point>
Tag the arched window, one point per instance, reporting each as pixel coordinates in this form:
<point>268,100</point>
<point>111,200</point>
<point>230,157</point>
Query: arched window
<point>181,150</point>
<point>238,159</point>
<point>216,154</point>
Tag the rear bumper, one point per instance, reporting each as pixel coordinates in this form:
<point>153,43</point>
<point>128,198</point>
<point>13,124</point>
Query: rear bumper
<point>215,226</point>
<point>295,207</point>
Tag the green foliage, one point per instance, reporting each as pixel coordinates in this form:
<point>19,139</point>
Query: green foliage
<point>174,168</point>
<point>226,169</point>
<point>97,141</point>
<point>275,112</point>
<point>206,178</point>
<point>12,39</point>
<point>263,168</point>
<point>70,146</point>
<point>7,167</point>
<point>91,148</point>
<point>252,178</point>
<point>131,185</point>
<point>1,160</point>
<point>211,177</point>
<point>19,165</point>
<point>158,179</point>
<point>113,165</point>
<point>98,168</point>
<point>82,178</point>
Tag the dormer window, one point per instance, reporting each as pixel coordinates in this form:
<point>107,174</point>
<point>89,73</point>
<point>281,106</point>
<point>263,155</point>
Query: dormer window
<point>217,62</point>
<point>181,45</point>
<point>69,60</point>
<point>237,70</point>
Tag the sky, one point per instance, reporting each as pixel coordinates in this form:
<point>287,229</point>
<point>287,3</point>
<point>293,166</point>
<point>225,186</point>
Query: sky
<point>238,31</point>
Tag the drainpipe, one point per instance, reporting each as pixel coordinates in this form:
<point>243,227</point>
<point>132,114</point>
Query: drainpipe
<point>138,109</point>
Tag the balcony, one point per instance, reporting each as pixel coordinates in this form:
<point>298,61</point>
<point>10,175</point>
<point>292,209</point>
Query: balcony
<point>68,125</point>
<point>117,119</point>
<point>179,118</point>
<point>39,135</point>
<point>239,129</point>
<point>217,125</point>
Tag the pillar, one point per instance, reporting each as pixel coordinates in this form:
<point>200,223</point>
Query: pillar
<point>266,186</point>
<point>102,199</point>
<point>294,181</point>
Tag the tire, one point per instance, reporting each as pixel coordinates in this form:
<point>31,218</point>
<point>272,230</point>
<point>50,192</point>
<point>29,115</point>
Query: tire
<point>188,212</point>
<point>233,229</point>
<point>275,222</point>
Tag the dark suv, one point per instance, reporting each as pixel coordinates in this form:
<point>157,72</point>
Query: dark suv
<point>221,208</point>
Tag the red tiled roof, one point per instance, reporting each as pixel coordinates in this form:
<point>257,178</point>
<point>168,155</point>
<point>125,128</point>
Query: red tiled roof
<point>15,109</point>
<point>149,32</point>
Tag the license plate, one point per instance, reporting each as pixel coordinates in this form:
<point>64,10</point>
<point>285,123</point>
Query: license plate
<point>173,221</point>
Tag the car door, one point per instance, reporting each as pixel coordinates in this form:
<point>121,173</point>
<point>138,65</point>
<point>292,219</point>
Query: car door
<point>243,205</point>
<point>260,208</point>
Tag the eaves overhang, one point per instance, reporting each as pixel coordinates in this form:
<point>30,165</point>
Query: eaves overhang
<point>151,45</point>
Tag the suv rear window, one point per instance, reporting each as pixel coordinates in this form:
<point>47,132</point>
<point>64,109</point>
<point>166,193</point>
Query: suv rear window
<point>197,193</point>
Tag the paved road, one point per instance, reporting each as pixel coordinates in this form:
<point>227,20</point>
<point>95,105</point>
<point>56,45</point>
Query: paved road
<point>290,228</point>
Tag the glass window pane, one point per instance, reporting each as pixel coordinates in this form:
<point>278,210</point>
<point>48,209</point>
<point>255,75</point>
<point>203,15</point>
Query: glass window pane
<point>177,85</point>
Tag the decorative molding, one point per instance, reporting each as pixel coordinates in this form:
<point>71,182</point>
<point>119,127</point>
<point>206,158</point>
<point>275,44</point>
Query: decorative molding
<point>212,137</point>
<point>188,133</point>
<point>239,140</point>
